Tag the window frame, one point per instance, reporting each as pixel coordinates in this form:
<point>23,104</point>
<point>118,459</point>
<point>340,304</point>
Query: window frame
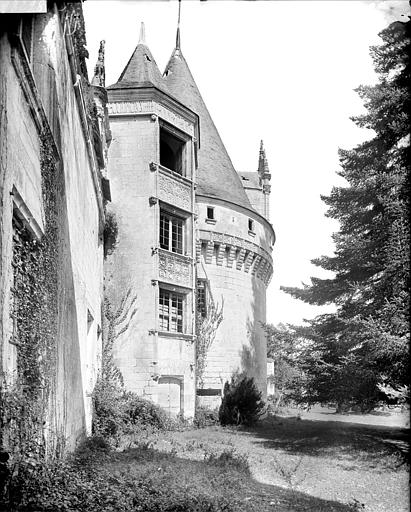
<point>169,321</point>
<point>174,221</point>
<point>179,138</point>
<point>210,209</point>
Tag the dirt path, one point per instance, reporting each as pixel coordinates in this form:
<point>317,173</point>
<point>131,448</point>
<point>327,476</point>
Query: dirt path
<point>333,460</point>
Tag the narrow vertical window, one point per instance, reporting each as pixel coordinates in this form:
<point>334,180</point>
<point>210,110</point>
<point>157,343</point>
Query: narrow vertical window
<point>210,213</point>
<point>251,225</point>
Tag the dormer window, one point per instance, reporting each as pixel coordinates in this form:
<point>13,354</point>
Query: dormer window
<point>171,151</point>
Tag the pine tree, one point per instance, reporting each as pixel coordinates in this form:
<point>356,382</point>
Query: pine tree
<point>366,341</point>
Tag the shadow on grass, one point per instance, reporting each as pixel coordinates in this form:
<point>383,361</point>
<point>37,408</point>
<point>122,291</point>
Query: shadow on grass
<point>368,445</point>
<point>214,480</point>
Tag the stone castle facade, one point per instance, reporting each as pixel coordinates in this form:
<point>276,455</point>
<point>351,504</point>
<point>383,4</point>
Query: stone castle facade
<point>194,240</point>
<point>133,189</point>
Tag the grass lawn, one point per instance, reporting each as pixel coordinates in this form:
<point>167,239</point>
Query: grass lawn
<point>294,464</point>
<point>283,464</point>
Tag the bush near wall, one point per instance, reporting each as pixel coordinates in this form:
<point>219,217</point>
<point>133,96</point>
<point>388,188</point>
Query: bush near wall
<point>117,412</point>
<point>241,403</point>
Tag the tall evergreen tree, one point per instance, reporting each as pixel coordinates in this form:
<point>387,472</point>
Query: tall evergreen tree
<point>369,334</point>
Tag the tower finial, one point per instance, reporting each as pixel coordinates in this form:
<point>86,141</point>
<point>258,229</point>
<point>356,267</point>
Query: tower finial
<point>99,69</point>
<point>178,43</point>
<point>142,38</point>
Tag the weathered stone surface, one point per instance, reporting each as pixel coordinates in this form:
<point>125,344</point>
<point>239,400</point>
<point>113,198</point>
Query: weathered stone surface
<point>31,96</point>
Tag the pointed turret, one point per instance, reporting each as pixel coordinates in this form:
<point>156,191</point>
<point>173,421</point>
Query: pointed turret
<point>99,77</point>
<point>263,170</point>
<point>216,175</point>
<point>265,178</point>
<point>141,68</point>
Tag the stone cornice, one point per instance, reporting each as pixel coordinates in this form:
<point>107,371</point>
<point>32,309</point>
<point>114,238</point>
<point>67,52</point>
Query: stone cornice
<point>232,240</point>
<point>247,256</point>
<point>140,93</point>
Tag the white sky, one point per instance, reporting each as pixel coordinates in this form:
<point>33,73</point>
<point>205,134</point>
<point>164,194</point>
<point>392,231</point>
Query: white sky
<point>281,71</point>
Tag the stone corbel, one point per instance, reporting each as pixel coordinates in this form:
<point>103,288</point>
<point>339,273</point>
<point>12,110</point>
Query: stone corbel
<point>256,265</point>
<point>248,261</point>
<point>209,252</point>
<point>240,259</point>
<point>220,254</point>
<point>231,256</point>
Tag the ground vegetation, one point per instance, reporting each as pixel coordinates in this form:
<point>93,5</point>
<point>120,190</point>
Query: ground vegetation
<point>241,403</point>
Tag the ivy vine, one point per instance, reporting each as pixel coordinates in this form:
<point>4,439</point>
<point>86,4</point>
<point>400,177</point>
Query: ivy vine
<point>25,400</point>
<point>206,332</point>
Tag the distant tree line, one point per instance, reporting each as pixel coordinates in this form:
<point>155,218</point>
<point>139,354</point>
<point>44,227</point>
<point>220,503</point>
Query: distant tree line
<point>360,353</point>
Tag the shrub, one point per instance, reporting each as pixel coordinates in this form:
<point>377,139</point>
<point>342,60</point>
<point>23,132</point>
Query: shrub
<point>241,404</point>
<point>205,417</point>
<point>140,411</point>
<point>228,458</point>
<point>117,412</point>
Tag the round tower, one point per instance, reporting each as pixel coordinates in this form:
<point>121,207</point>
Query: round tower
<point>234,241</point>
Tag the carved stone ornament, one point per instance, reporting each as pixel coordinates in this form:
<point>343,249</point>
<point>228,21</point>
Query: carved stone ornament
<point>173,192</point>
<point>154,108</point>
<point>175,269</point>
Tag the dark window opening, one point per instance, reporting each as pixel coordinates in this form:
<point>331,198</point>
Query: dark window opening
<point>171,151</point>
<point>210,213</point>
<point>250,225</point>
<point>171,311</point>
<point>171,232</point>
<point>201,298</point>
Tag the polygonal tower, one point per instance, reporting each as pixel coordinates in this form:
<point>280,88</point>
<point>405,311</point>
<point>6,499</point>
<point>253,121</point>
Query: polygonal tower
<point>149,271</point>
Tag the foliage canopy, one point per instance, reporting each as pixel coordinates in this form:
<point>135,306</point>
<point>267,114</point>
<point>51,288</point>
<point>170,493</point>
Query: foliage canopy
<point>366,341</point>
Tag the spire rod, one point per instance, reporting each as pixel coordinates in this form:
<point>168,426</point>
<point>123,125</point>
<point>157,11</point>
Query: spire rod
<point>142,38</point>
<point>178,47</point>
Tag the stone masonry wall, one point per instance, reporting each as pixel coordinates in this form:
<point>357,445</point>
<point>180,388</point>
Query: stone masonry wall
<point>136,266</point>
<point>237,263</point>
<point>79,219</point>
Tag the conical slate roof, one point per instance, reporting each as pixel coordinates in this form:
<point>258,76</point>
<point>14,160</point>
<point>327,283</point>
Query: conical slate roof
<point>141,68</point>
<point>216,175</point>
